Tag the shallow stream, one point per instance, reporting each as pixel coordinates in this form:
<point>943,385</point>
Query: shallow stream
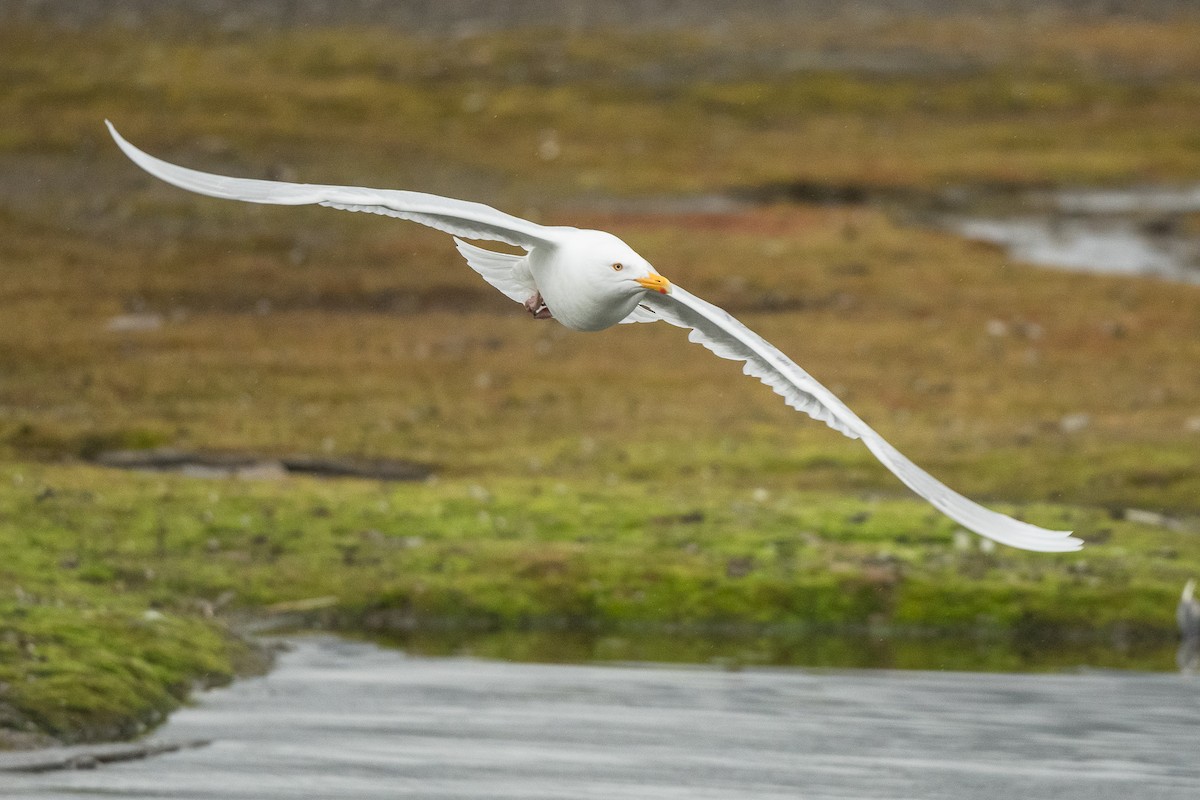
<point>1151,231</point>
<point>355,721</point>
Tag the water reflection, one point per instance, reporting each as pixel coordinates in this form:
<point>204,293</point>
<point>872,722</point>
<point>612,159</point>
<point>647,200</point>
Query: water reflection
<point>1188,655</point>
<point>835,650</point>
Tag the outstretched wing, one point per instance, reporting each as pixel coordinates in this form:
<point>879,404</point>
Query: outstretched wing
<point>722,334</point>
<point>457,217</point>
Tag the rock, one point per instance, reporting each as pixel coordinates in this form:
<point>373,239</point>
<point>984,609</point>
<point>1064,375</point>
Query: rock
<point>251,466</point>
<point>1074,423</point>
<point>1144,517</point>
<point>133,323</point>
<point>739,567</point>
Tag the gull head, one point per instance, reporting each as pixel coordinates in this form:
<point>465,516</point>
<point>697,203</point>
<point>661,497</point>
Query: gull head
<point>612,268</point>
<point>597,280</point>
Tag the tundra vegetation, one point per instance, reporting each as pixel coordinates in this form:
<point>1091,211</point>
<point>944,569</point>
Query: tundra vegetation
<point>621,489</point>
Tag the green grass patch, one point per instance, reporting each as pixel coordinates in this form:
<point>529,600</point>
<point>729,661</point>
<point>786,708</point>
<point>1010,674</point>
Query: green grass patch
<point>110,577</point>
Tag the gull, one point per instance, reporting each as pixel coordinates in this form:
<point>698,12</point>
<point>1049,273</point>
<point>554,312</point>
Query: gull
<point>590,280</point>
<point>1187,614</point>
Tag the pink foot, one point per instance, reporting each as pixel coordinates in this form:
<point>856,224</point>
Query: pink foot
<point>537,306</point>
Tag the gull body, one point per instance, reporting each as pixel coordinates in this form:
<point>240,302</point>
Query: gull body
<point>577,279</point>
<point>590,280</point>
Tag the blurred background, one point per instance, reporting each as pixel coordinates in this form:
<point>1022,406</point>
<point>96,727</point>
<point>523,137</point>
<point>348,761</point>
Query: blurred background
<point>977,222</point>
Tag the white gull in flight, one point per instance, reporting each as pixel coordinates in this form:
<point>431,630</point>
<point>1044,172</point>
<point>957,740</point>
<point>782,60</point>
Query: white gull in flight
<point>590,280</point>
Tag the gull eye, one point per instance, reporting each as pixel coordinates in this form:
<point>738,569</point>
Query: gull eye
<point>618,266</point>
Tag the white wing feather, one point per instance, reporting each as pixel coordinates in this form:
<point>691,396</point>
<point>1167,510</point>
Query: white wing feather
<point>457,217</point>
<point>718,331</point>
<point>641,313</point>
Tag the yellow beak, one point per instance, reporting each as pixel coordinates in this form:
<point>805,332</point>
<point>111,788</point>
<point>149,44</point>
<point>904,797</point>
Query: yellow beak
<point>655,283</point>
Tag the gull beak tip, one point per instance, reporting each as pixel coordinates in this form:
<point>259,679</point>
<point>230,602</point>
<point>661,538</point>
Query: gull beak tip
<point>655,283</point>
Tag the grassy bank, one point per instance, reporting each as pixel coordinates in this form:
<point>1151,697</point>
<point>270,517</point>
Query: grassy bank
<point>626,481</point>
<point>511,551</point>
<point>114,575</point>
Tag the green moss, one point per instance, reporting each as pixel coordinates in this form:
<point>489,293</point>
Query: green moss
<point>80,672</point>
<point>110,571</point>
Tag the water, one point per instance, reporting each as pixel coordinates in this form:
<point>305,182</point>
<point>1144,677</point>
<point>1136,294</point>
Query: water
<point>352,720</point>
<point>1137,231</point>
<point>1107,246</point>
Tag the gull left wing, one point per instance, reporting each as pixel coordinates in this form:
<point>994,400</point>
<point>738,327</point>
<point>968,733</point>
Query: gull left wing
<point>720,332</point>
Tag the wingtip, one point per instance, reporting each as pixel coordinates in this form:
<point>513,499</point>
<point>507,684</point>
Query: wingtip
<point>1064,542</point>
<point>1076,544</point>
<point>1052,541</point>
<point>125,146</point>
<point>1069,538</point>
<point>1025,536</point>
